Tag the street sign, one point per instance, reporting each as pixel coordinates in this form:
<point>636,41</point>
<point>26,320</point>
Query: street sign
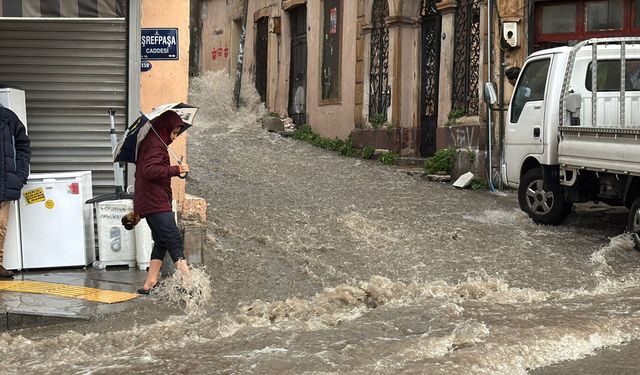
<point>145,66</point>
<point>159,44</point>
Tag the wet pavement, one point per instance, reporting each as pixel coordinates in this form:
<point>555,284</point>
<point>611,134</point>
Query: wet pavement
<point>19,310</point>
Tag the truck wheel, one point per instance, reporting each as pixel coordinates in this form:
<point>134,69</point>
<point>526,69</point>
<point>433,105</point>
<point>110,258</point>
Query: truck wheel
<point>634,222</point>
<point>543,205</point>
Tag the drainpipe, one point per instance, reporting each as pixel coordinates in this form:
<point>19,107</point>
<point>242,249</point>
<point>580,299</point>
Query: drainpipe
<point>501,113</point>
<point>489,122</point>
<point>502,108</point>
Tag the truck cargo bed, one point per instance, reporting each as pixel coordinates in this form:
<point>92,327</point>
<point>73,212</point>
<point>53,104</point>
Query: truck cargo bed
<point>601,149</point>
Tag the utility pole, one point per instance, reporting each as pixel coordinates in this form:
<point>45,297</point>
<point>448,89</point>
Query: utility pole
<point>236,87</point>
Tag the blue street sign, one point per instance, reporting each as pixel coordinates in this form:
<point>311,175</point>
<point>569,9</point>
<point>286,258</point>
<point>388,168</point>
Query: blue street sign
<point>145,66</point>
<point>159,44</point>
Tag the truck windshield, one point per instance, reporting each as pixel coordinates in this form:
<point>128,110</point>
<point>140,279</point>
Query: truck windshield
<point>531,86</point>
<point>609,75</point>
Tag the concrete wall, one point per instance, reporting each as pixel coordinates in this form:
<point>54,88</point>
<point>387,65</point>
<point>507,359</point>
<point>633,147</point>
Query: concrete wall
<point>514,10</point>
<point>215,51</point>
<point>168,81</point>
<point>258,9</point>
<point>509,10</point>
<point>221,22</point>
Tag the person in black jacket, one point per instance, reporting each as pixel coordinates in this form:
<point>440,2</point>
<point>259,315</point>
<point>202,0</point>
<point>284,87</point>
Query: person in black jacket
<point>512,74</point>
<point>15,150</point>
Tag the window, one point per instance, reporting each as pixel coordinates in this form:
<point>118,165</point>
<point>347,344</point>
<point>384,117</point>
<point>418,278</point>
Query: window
<point>330,69</point>
<point>609,76</point>
<point>564,22</point>
<point>559,19</point>
<point>603,15</point>
<point>531,86</point>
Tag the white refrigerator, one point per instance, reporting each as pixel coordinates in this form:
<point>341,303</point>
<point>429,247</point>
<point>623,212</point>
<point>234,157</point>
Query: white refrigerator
<point>57,225</point>
<point>14,99</point>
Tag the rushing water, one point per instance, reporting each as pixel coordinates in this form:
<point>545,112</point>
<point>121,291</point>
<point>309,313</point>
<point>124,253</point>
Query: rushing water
<point>322,264</point>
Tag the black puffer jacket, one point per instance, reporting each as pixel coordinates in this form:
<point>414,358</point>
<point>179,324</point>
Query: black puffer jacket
<point>16,153</point>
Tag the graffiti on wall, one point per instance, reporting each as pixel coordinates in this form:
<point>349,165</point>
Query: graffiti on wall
<point>220,53</point>
<point>464,137</point>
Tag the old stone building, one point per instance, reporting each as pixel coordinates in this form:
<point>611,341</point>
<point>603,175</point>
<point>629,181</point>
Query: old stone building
<point>407,75</point>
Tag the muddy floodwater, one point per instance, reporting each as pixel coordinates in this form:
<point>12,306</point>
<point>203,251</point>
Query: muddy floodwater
<point>322,264</point>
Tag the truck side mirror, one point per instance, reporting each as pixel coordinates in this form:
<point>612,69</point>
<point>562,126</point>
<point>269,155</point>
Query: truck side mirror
<point>573,104</point>
<point>490,96</point>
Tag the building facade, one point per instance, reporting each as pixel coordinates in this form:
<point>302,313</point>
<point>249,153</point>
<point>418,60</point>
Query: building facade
<point>406,75</point>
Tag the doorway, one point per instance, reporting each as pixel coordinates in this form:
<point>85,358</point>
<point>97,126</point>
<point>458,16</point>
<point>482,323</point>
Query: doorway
<point>298,74</point>
<point>431,22</point>
<point>262,53</point>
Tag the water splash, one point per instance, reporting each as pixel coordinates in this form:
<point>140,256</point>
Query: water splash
<point>347,302</point>
<point>192,293</point>
<point>212,92</point>
<point>464,335</point>
<point>617,247</point>
<point>366,230</point>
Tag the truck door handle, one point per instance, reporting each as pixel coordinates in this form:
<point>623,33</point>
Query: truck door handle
<point>536,132</point>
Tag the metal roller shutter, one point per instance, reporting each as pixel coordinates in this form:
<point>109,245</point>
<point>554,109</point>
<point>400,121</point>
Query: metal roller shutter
<point>72,72</point>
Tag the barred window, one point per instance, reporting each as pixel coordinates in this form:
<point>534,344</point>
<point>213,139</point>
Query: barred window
<point>466,71</point>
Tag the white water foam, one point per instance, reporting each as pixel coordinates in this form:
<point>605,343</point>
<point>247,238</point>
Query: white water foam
<point>617,245</point>
<point>192,293</point>
<point>498,217</point>
<point>212,92</point>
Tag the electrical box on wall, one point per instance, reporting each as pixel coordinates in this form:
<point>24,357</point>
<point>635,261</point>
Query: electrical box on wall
<point>510,33</point>
<point>274,25</point>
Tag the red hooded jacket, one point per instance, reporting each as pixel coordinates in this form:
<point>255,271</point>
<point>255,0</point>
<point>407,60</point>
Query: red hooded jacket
<point>153,171</point>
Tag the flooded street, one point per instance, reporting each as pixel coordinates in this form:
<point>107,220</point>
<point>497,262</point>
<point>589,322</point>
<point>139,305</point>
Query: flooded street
<point>324,264</point>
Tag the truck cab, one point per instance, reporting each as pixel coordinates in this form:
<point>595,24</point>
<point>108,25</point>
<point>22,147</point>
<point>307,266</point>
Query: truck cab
<point>573,129</point>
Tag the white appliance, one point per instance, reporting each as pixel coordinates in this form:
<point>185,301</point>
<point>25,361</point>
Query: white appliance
<point>116,245</point>
<point>13,99</point>
<point>57,225</point>
<point>12,247</point>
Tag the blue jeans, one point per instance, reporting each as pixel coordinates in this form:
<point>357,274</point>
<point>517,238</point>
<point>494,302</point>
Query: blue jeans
<point>166,236</point>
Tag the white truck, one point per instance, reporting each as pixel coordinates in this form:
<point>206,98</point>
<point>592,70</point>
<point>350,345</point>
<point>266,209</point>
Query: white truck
<point>573,130</point>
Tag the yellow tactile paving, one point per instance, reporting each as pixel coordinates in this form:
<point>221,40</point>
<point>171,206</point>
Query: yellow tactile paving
<point>64,290</point>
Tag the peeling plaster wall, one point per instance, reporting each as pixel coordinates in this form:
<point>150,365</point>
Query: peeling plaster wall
<point>216,52</point>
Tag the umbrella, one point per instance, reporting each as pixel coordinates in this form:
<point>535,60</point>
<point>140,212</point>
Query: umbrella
<point>127,148</point>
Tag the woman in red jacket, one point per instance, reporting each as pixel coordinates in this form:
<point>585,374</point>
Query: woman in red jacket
<point>152,196</point>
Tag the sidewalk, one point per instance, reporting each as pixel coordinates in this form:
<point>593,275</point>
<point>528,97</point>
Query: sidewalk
<point>25,309</point>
